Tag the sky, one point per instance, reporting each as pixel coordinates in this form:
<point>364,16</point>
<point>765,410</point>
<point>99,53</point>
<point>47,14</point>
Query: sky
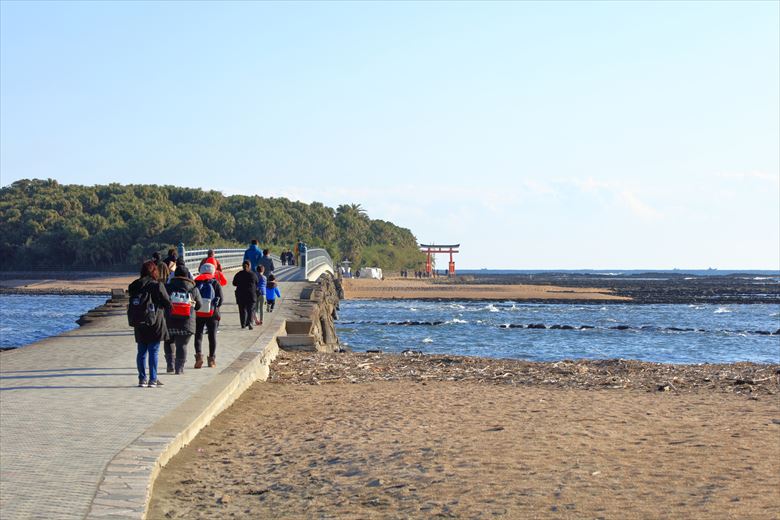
<point>538,135</point>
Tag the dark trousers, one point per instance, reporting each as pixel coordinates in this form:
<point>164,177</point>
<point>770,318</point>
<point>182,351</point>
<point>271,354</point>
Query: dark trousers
<point>245,312</point>
<point>211,325</point>
<point>177,360</point>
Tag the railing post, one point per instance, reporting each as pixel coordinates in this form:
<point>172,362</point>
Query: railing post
<point>181,250</point>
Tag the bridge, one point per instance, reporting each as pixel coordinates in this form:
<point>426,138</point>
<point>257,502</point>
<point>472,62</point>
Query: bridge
<point>80,440</point>
<point>317,262</point>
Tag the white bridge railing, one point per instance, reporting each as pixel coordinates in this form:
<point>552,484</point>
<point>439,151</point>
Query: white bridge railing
<point>229,258</point>
<point>318,261</point>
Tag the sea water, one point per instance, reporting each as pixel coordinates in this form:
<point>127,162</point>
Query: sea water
<point>658,333</point>
<point>28,318</point>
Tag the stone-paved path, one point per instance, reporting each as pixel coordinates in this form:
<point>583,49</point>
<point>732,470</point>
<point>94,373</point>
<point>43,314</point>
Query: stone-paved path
<point>70,404</point>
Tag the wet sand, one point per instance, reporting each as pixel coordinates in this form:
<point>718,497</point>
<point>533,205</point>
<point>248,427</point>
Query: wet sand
<point>81,285</point>
<point>411,288</point>
<point>369,436</point>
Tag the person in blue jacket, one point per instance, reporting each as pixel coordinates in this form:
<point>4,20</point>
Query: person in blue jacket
<point>271,293</point>
<point>261,287</point>
<point>253,254</point>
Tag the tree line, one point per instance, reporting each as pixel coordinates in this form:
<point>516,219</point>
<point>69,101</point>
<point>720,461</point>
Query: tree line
<point>44,223</point>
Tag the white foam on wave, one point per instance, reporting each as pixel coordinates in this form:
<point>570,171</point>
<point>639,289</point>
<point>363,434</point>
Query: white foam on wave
<point>492,308</point>
<point>427,340</point>
<point>721,310</point>
<point>457,306</point>
<point>456,320</point>
<point>603,309</point>
<point>413,309</point>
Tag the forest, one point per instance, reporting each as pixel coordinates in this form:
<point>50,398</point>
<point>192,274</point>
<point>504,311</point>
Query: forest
<point>48,225</point>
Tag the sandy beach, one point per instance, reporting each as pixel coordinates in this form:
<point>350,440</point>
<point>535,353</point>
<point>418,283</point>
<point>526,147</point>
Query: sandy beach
<point>62,285</point>
<point>411,288</point>
<point>393,436</point>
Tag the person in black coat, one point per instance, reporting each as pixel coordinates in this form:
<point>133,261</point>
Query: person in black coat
<point>148,337</point>
<point>181,327</point>
<point>245,282</point>
<point>267,262</point>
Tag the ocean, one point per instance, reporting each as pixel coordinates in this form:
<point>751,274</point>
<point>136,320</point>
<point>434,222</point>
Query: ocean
<point>28,318</point>
<point>664,333</point>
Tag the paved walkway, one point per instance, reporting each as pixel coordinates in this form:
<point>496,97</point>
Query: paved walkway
<point>69,405</point>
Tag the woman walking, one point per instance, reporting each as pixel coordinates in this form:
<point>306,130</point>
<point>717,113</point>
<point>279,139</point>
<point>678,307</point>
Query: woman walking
<point>245,282</point>
<point>185,301</point>
<point>148,299</point>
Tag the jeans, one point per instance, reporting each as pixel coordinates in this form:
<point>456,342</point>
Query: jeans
<point>211,325</point>
<point>140,360</point>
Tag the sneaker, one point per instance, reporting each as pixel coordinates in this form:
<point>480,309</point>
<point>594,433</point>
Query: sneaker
<point>169,369</point>
<point>141,382</point>
<point>251,327</point>
<point>156,383</point>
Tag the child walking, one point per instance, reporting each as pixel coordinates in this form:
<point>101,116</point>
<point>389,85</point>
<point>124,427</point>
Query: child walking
<point>271,293</point>
<point>261,288</point>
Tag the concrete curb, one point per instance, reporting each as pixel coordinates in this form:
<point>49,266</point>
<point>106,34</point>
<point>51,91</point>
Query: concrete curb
<point>126,486</point>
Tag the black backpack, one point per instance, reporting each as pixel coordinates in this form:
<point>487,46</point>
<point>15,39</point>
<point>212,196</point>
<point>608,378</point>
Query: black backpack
<point>141,311</point>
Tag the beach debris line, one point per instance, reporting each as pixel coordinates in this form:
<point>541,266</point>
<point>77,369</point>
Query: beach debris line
<point>304,368</point>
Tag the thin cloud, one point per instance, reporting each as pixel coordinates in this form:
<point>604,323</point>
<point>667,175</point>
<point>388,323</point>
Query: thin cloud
<point>757,175</point>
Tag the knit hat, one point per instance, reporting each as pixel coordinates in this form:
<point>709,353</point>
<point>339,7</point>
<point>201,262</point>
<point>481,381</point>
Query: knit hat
<point>182,271</point>
<point>207,268</point>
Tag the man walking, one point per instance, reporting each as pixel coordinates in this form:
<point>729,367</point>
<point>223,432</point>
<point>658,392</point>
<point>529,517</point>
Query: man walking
<point>253,254</point>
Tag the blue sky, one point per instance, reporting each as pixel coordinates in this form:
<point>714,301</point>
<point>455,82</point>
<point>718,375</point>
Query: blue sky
<point>538,135</point>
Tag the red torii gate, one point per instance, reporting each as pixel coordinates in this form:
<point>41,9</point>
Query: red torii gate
<point>432,249</point>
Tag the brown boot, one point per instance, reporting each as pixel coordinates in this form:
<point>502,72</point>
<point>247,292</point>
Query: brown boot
<point>198,360</point>
<point>212,362</point>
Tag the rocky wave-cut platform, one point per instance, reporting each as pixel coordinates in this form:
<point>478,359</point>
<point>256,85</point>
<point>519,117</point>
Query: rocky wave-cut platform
<point>655,287</point>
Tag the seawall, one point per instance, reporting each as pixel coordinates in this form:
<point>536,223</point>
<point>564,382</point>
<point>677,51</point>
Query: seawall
<point>80,440</point>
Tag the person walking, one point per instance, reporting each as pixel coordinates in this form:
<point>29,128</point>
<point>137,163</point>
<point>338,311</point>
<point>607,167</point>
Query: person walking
<point>207,316</point>
<point>253,254</point>
<point>271,293</point>
<point>162,267</point>
<point>245,282</point>
<point>185,301</point>
<point>148,300</point>
<point>261,285</point>
<point>218,274</point>
<point>302,251</point>
<point>211,259</point>
<point>267,262</point>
